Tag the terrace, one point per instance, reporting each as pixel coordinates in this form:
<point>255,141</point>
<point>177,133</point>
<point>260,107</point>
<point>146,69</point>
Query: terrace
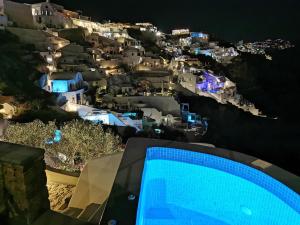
<point>158,182</point>
<point>165,182</point>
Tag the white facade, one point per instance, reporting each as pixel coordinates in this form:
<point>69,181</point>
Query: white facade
<point>152,62</point>
<point>37,16</point>
<point>91,26</point>
<point>48,57</point>
<point>3,18</point>
<point>51,15</point>
<point>132,56</point>
<point>75,97</point>
<point>101,116</point>
<point>112,31</point>
<point>180,31</point>
<point>3,21</point>
<point>112,50</point>
<point>1,7</point>
<point>42,9</point>
<point>147,26</point>
<point>153,113</point>
<point>132,52</point>
<point>132,60</point>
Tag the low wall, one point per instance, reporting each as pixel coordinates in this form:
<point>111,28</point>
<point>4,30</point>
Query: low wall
<point>23,191</point>
<point>61,178</point>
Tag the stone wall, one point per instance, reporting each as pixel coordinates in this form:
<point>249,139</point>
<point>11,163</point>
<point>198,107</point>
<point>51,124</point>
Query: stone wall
<point>23,191</point>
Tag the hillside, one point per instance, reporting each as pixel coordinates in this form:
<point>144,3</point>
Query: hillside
<point>19,71</point>
<point>18,68</point>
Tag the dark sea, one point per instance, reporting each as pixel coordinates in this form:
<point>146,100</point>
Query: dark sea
<point>273,86</point>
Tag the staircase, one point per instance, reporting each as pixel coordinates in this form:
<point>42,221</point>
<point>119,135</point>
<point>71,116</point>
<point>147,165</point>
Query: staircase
<point>92,213</point>
<point>93,188</point>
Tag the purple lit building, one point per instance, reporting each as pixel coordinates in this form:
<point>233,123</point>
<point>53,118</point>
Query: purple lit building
<point>210,83</point>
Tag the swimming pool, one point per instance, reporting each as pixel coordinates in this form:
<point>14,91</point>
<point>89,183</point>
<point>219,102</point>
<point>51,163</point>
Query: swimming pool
<point>181,187</point>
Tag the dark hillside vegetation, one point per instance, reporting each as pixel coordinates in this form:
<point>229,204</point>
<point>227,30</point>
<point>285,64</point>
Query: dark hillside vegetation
<point>18,68</point>
<point>19,72</point>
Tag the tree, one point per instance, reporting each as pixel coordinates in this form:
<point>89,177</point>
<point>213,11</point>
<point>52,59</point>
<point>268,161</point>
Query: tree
<point>33,134</point>
<point>86,140</point>
<point>81,141</point>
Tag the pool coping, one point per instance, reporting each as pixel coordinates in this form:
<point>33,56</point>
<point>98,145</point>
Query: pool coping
<point>129,176</point>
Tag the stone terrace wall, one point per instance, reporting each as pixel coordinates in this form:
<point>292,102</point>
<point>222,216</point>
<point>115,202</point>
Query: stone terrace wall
<point>23,191</point>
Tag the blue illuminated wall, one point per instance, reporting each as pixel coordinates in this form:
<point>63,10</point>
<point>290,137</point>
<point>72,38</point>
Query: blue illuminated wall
<point>43,81</point>
<point>60,86</point>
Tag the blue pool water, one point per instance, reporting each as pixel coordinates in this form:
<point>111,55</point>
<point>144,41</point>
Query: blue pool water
<point>189,188</point>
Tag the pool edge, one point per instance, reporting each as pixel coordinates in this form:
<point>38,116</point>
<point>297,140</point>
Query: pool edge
<point>129,176</point>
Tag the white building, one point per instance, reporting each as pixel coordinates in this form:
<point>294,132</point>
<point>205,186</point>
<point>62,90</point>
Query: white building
<point>188,81</point>
<point>109,30</point>
<point>224,55</point>
<point>132,56</point>
<point>50,59</point>
<point>180,31</point>
<point>75,97</point>
<point>103,117</point>
<point>153,62</point>
<point>3,21</point>
<point>153,113</point>
<point>61,82</point>
<point>3,18</point>
<point>39,15</point>
<point>89,25</point>
<point>1,7</point>
<point>69,86</point>
<point>50,15</point>
<point>147,27</point>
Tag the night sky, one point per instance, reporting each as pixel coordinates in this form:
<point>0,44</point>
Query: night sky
<point>227,19</point>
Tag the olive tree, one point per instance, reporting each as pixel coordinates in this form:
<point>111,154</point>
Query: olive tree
<point>85,141</point>
<point>32,134</point>
<point>80,140</point>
